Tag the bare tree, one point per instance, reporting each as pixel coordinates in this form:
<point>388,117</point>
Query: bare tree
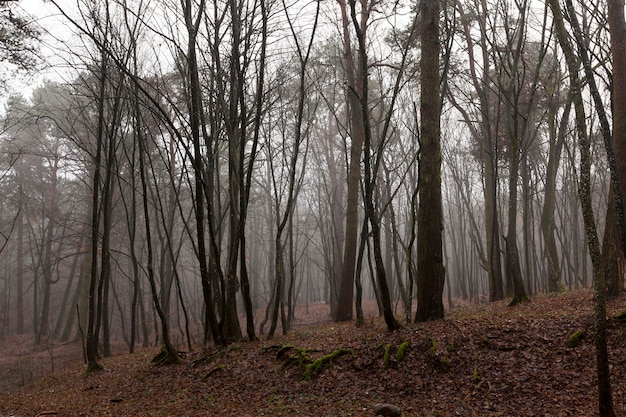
<point>300,135</point>
<point>605,400</point>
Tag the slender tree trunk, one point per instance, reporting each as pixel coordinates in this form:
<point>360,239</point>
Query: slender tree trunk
<point>91,348</point>
<point>357,134</point>
<point>488,151</point>
<point>294,181</point>
<point>557,139</point>
<point>65,303</point>
<point>47,266</point>
<point>513,269</point>
<point>19,267</point>
<point>211,324</point>
<point>168,355</point>
<point>605,399</point>
<point>360,317</point>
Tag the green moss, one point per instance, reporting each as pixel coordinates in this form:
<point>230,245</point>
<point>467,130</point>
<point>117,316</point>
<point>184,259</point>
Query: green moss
<point>214,370</point>
<point>575,338</point>
<point>386,355</point>
<point>518,300</point>
<point>621,316</point>
<point>401,349</point>
<point>93,366</point>
<point>325,361</point>
<point>208,357</point>
<point>283,350</point>
<point>166,357</point>
<point>299,356</point>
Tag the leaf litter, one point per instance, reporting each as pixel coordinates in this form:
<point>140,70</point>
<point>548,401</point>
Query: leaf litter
<point>481,360</point>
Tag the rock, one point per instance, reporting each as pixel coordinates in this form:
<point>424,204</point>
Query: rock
<point>387,410</point>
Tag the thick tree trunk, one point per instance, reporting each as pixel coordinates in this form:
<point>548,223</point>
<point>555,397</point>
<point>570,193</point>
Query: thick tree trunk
<point>617,28</point>
<point>612,253</point>
<point>430,268</point>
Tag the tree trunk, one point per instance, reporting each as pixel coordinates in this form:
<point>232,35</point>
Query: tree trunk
<point>47,266</point>
<point>357,135</point>
<point>617,29</point>
<point>211,325</point>
<point>91,348</point>
<point>513,269</point>
<point>612,253</point>
<point>430,268</point>
<point>488,153</point>
<point>605,399</point>
<point>19,267</point>
<point>557,139</point>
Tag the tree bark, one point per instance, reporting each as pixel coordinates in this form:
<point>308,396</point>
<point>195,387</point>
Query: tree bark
<point>557,139</point>
<point>430,268</point>
<point>605,399</point>
<point>617,29</point>
<point>357,136</point>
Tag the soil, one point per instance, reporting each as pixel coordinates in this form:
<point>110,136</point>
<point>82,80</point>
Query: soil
<point>481,360</point>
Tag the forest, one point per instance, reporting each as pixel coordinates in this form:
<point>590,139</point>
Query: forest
<point>184,174</point>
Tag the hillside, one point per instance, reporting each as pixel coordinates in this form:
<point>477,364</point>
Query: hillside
<point>487,360</point>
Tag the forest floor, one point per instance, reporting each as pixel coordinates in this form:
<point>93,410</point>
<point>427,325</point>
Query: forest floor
<point>481,360</point>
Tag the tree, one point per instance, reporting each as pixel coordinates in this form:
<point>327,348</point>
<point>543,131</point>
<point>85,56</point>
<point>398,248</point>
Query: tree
<point>18,42</point>
<point>617,29</point>
<point>430,268</point>
<point>605,399</point>
<point>556,133</point>
<point>485,136</point>
<point>355,90</point>
<point>299,146</point>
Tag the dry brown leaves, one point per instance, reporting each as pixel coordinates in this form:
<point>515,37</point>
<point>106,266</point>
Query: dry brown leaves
<point>487,360</point>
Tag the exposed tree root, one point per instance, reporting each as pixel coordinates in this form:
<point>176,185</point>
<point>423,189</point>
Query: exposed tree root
<point>166,356</point>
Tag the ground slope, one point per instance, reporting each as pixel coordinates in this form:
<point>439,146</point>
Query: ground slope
<point>487,360</point>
